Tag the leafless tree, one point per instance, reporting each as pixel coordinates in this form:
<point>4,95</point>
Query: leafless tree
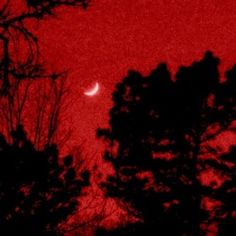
<point>41,107</point>
<point>23,98</point>
<point>19,50</point>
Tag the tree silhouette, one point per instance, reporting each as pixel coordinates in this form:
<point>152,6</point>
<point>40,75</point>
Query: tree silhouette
<point>226,194</point>
<point>19,46</point>
<point>159,146</point>
<point>21,66</point>
<point>37,191</point>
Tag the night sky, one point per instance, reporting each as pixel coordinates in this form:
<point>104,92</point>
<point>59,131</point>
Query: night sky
<point>102,43</point>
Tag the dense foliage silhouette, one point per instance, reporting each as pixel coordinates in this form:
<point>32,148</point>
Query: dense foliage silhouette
<point>38,191</point>
<point>159,145</point>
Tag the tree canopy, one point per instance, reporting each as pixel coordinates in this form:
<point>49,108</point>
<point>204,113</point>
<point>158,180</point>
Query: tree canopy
<point>39,189</point>
<point>19,46</point>
<point>159,146</point>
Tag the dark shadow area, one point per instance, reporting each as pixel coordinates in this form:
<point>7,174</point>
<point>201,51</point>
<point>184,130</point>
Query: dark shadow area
<point>38,189</point>
<point>38,192</point>
<point>160,146</point>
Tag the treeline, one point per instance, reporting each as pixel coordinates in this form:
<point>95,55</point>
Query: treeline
<point>169,172</point>
<point>39,190</point>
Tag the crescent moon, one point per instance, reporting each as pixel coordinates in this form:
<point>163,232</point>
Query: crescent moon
<point>92,91</point>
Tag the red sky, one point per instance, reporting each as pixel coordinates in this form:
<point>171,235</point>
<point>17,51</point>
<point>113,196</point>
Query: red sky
<point>102,43</point>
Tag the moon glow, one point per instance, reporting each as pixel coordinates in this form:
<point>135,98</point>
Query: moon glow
<point>92,91</point>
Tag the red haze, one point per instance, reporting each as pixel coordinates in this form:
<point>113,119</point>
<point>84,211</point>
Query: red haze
<point>102,43</point>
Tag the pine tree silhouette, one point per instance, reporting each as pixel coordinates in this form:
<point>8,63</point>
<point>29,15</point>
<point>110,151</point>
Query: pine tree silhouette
<point>158,139</point>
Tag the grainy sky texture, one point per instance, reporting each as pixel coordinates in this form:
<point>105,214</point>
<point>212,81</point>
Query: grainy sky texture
<point>111,37</point>
<point>102,43</point>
